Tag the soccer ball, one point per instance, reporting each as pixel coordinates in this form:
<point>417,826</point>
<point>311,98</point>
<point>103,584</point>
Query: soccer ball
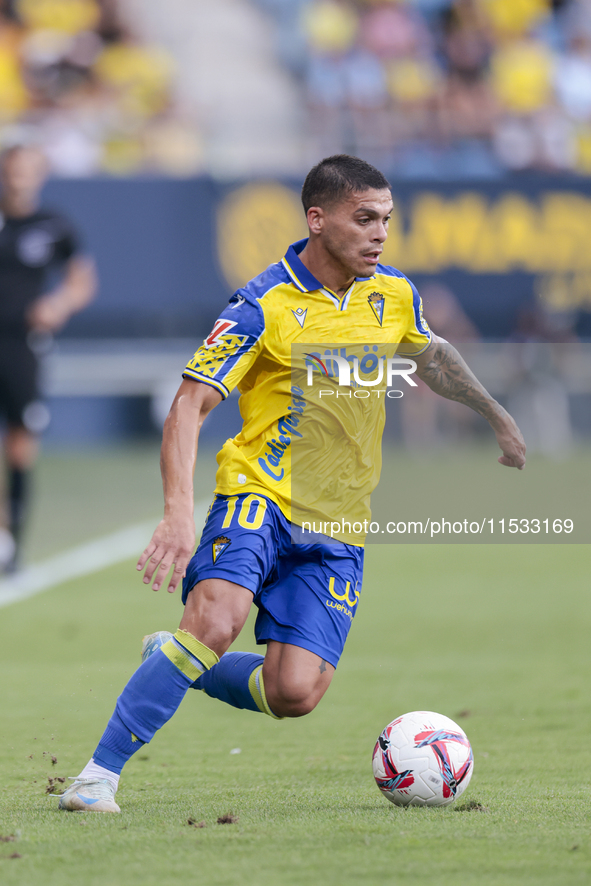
<point>422,759</point>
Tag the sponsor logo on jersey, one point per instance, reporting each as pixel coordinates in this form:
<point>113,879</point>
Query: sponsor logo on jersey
<point>300,315</point>
<point>219,545</point>
<point>376,303</point>
<point>276,448</point>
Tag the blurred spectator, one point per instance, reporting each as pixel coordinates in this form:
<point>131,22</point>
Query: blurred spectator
<point>466,39</point>
<point>330,26</point>
<point>522,76</point>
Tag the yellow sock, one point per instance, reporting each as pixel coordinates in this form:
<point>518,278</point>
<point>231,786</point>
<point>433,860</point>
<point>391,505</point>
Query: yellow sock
<point>256,688</point>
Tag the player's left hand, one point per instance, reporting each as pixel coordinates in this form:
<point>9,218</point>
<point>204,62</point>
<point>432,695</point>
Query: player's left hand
<point>511,442</point>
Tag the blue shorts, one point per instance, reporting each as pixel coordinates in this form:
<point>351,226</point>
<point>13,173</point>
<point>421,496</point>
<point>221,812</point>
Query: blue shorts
<point>306,594</point>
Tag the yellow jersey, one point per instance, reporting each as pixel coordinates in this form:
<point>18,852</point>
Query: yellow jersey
<point>282,341</point>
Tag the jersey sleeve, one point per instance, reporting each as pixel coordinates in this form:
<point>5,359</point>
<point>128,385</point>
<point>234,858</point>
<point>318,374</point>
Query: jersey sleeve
<point>231,347</point>
<point>417,337</point>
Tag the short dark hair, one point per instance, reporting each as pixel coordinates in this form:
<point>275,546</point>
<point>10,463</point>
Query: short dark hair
<point>334,178</point>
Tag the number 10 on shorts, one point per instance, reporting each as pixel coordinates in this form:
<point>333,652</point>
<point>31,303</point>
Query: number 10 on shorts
<point>250,514</point>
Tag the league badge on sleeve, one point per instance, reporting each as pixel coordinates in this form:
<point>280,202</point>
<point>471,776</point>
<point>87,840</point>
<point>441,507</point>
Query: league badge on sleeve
<point>376,303</point>
<point>218,546</point>
<point>221,326</point>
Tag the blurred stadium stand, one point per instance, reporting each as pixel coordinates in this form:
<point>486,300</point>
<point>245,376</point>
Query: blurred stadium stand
<point>170,252</point>
<point>444,88</point>
<point>424,88</point>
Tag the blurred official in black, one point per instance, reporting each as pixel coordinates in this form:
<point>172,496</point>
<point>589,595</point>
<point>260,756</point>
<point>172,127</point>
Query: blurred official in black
<point>33,242</point>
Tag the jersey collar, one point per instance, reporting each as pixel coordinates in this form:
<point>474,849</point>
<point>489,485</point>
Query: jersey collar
<point>298,272</point>
<point>303,278</point>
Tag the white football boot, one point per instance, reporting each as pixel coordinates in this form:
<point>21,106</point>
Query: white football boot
<point>98,795</point>
<point>152,642</point>
<point>89,795</point>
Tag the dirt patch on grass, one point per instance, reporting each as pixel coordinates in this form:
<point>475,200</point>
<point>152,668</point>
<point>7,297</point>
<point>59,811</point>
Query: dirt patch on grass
<point>228,818</point>
<point>471,806</point>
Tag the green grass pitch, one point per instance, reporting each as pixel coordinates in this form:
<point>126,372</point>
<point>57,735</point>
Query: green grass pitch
<point>495,636</point>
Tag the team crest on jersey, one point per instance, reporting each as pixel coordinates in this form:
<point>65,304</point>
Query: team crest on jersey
<point>300,315</point>
<point>376,303</point>
<point>218,546</point>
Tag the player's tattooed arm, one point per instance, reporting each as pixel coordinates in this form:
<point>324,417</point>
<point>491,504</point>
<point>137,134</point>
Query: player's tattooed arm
<point>445,371</point>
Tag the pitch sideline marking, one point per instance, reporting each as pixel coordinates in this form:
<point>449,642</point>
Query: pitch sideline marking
<point>84,559</point>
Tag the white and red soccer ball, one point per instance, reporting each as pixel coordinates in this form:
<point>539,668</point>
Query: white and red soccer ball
<point>422,759</point>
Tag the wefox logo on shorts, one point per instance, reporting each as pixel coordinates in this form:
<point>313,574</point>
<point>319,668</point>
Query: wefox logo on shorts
<point>343,600</point>
<point>349,371</point>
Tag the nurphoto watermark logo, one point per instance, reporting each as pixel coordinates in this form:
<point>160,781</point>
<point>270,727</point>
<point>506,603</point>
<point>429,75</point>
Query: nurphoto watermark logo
<point>373,374</point>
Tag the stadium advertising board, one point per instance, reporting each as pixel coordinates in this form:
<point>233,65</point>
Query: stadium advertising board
<point>170,252</point>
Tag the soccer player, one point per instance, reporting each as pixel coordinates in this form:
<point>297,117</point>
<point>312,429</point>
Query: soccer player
<point>33,241</point>
<point>329,288</point>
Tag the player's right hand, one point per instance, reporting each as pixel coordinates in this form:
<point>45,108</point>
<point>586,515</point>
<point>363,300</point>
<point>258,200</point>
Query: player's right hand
<point>173,542</point>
